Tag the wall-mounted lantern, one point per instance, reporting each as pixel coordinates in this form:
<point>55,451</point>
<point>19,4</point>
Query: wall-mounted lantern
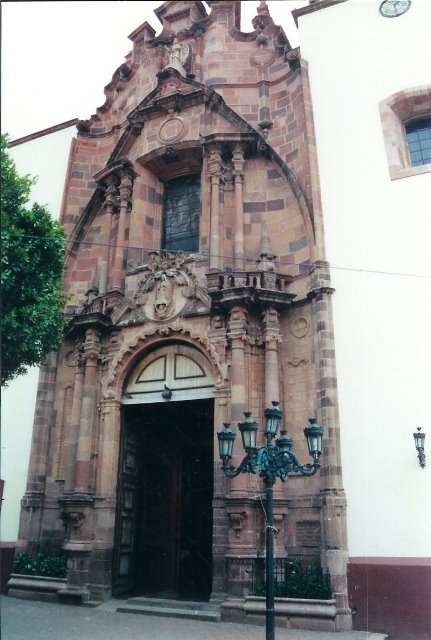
<point>420,446</point>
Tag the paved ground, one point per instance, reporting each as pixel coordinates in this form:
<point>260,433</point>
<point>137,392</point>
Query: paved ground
<point>26,620</point>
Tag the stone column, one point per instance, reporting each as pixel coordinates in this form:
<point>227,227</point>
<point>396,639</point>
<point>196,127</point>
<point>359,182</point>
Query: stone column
<point>238,380</point>
<point>334,543</point>
<point>199,32</point>
<point>125,188</point>
<point>109,448</point>
<point>77,508</point>
<point>238,172</point>
<point>240,507</point>
<point>272,338</point>
<point>237,334</point>
<point>33,500</point>
<point>109,205</point>
<point>271,333</point>
<point>75,418</point>
<point>214,168</point>
<point>87,415</point>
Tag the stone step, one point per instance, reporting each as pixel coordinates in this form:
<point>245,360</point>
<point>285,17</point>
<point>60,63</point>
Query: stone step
<point>172,609</point>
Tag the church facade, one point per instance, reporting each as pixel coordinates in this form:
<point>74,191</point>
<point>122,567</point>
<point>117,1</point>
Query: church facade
<point>198,289</point>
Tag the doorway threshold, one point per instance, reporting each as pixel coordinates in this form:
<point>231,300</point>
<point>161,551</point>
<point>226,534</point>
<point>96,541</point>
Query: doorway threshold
<point>167,608</point>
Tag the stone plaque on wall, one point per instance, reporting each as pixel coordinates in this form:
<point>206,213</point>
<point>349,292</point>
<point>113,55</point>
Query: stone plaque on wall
<point>308,534</point>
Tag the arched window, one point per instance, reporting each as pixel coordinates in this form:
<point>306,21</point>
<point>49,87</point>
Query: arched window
<point>406,125</point>
<point>181,214</point>
<point>419,141</point>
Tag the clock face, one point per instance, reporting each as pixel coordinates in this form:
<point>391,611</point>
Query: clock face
<point>394,8</point>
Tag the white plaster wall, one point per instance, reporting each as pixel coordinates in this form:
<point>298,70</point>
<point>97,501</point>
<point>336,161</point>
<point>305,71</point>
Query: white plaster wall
<point>378,244</point>
<point>46,157</point>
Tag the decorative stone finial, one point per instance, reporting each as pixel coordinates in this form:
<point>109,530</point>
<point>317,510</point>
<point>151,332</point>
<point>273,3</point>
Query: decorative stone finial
<point>266,257</point>
<point>263,8</point>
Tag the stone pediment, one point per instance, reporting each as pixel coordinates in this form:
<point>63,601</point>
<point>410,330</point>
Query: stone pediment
<point>166,288</point>
<point>173,93</point>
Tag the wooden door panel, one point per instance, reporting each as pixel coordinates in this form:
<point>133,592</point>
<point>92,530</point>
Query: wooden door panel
<point>159,532</point>
<point>125,547</point>
<point>164,505</point>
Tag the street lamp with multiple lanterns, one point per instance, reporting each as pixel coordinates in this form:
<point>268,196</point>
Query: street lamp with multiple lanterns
<point>270,462</point>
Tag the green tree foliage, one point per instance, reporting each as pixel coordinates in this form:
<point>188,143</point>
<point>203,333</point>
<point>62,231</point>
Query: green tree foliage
<point>32,260</point>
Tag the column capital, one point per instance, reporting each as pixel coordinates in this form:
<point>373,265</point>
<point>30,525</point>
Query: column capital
<point>238,161</point>
<point>238,318</point>
<point>270,321</point>
<point>111,192</point>
<point>91,347</point>
<point>214,160</point>
<point>126,185</point>
<point>272,340</point>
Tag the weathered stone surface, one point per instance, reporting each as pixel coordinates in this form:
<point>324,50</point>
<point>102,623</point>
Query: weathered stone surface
<point>247,311</point>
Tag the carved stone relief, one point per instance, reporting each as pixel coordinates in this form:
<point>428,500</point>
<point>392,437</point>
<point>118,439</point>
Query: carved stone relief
<point>168,287</point>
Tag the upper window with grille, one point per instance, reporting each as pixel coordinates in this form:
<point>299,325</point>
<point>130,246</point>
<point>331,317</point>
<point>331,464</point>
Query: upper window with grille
<point>181,214</point>
<point>419,141</point>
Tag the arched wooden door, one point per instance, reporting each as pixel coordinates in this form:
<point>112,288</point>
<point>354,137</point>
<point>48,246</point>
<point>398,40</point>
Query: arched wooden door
<point>165,481</point>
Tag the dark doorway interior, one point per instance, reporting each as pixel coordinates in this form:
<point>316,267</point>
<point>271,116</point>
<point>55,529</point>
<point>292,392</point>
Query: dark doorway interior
<point>171,536</point>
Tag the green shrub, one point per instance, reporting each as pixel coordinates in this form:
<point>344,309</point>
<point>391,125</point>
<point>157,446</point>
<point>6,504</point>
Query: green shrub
<point>301,581</point>
<point>40,565</point>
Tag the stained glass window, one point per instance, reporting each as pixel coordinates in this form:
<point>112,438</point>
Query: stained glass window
<point>181,214</point>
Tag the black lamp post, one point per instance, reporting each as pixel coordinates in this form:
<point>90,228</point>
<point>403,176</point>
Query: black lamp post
<point>270,462</point>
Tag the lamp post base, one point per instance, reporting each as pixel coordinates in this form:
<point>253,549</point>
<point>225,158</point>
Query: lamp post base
<point>270,612</point>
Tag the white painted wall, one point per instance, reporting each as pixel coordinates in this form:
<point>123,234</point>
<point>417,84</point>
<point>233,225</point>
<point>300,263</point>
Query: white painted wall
<point>378,244</point>
<point>46,157</point>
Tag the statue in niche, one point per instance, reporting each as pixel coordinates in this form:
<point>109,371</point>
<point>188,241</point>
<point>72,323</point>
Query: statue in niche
<point>163,297</point>
<point>178,53</point>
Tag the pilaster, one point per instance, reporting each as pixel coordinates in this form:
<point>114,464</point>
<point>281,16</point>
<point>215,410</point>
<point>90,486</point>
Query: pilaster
<point>110,204</point>
<point>33,500</point>
<point>125,190</point>
<point>75,418</point>
<point>333,513</point>
<point>238,173</point>
<point>272,338</point>
<point>91,354</point>
<point>214,164</point>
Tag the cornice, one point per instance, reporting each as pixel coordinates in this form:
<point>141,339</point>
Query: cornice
<point>313,7</point>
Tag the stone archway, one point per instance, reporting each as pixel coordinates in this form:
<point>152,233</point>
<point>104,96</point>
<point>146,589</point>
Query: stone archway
<point>163,533</point>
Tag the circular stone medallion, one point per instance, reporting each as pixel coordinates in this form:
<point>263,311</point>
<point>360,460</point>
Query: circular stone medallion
<point>262,58</point>
<point>172,130</point>
<point>298,327</point>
